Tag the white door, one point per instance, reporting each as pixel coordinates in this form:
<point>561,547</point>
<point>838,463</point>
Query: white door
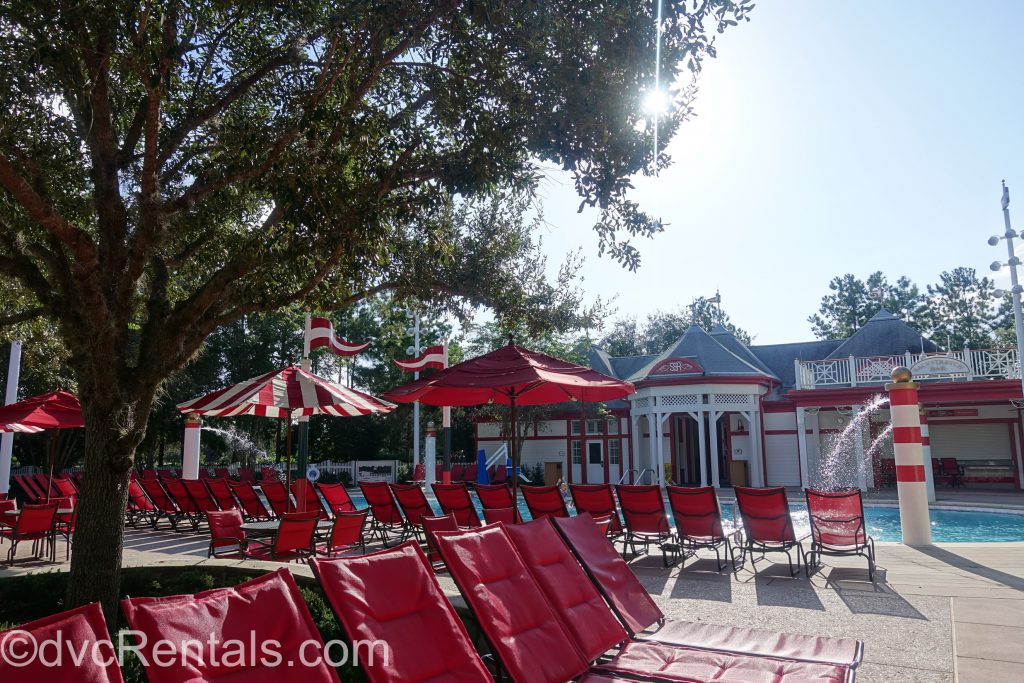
<point>595,462</point>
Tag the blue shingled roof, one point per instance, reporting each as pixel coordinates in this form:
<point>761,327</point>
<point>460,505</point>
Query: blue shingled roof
<point>727,339</point>
<point>698,345</point>
<point>883,335</point>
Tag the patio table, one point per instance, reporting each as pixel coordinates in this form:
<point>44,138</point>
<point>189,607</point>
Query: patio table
<point>268,528</point>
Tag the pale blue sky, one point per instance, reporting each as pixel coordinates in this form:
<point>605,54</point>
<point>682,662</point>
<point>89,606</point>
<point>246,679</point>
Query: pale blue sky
<point>829,138</point>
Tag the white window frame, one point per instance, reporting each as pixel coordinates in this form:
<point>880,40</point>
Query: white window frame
<point>577,452</point>
<point>614,452</point>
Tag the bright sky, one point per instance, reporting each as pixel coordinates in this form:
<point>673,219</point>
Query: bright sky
<point>829,138</point>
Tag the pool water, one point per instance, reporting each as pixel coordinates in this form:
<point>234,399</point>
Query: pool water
<point>948,526</point>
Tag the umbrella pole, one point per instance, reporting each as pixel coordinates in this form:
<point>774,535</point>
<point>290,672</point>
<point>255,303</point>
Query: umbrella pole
<point>288,457</point>
<point>53,457</point>
<point>515,452</point>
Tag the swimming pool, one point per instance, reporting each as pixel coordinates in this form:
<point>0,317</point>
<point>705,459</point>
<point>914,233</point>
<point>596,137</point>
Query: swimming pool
<point>948,526</point>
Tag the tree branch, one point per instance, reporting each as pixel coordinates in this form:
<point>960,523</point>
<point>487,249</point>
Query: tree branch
<point>24,316</point>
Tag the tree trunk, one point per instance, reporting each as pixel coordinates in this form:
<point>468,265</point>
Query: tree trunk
<point>114,426</point>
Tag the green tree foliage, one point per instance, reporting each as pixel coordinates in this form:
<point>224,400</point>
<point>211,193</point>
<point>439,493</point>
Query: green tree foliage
<point>169,167</point>
<point>962,310</point>
<point>853,301</point>
<point>628,338</point>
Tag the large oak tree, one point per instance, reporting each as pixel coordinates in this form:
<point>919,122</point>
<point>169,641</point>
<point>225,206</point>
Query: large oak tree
<point>168,166</point>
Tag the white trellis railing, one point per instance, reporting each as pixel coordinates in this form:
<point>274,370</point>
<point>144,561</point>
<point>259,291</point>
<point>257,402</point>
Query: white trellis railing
<point>866,370</point>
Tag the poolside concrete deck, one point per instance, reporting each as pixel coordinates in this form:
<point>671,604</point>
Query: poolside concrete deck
<point>952,612</point>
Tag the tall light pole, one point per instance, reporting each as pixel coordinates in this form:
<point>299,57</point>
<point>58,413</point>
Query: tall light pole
<point>1015,288</point>
<point>415,351</point>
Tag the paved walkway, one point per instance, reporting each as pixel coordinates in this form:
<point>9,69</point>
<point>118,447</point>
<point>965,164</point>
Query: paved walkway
<point>942,613</point>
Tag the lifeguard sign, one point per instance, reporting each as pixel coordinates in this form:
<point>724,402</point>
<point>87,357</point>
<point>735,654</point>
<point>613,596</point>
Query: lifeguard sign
<point>678,366</point>
<point>940,366</point>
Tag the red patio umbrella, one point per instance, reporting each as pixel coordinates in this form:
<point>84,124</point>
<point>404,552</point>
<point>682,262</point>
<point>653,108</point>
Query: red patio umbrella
<point>286,393</point>
<point>54,410</point>
<point>514,376</point>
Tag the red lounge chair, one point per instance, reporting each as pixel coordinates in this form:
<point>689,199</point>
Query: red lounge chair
<point>633,605</point>
<point>767,525</point>
<point>149,474</point>
<point>458,471</point>
<point>414,505</point>
<point>278,497</point>
<point>200,495</point>
<point>387,518</point>
<point>247,474</point>
<point>221,473</point>
<point>36,523</point>
<point>698,520</point>
<point>164,475</point>
<point>268,608</point>
<point>179,494</point>
<point>502,515</point>
<point>221,493</point>
<point>6,505</point>
<point>432,525</point>
<point>646,522</point>
<point>164,507</point>
<point>419,472</point>
<point>306,498</point>
<point>66,488</point>
<point>346,533</point>
<point>227,539</point>
<point>337,498</point>
<point>392,597</point>
<point>544,501</point>
<point>269,474</point>
<point>582,610</point>
<point>496,496</point>
<point>951,472</point>
<point>29,487</point>
<point>454,499</point>
<point>599,501</point>
<point>45,485</point>
<point>469,474</point>
<point>140,506</point>
<point>837,528</point>
<point>293,540</point>
<point>499,474</point>
<point>252,507</point>
<point>78,630</point>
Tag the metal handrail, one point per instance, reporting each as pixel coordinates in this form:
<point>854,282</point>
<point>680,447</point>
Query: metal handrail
<point>639,474</point>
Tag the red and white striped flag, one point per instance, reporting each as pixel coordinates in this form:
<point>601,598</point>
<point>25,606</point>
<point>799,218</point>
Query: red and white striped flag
<point>321,333</point>
<point>432,357</point>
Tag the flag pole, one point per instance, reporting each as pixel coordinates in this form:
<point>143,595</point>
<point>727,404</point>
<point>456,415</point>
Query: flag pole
<point>446,428</point>
<point>428,476</point>
<point>303,419</point>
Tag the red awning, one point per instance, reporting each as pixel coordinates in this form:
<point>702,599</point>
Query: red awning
<point>55,410</point>
<point>508,373</point>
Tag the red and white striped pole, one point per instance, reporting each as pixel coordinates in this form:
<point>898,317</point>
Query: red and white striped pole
<point>911,482</point>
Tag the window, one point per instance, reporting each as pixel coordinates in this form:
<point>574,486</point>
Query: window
<point>613,425</point>
<point>577,453</point>
<point>593,427</point>
<point>613,451</point>
<point>575,426</point>
<point>594,453</point>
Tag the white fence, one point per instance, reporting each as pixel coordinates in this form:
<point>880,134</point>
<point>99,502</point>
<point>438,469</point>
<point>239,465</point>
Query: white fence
<point>357,470</point>
<point>866,370</point>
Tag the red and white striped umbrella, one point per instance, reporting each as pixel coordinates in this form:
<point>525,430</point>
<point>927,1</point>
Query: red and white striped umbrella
<point>290,391</point>
<point>23,429</point>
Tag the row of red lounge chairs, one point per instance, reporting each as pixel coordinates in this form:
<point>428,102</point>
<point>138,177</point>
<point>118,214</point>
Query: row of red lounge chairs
<point>552,598</point>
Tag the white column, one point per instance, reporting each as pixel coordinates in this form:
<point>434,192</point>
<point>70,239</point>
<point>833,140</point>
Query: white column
<point>801,446</point>
<point>755,436</point>
<point>702,448</point>
<point>858,450</point>
<point>190,449</point>
<point>430,456</point>
<point>635,460</point>
<point>926,448</point>
<point>10,396</point>
<point>713,426</point>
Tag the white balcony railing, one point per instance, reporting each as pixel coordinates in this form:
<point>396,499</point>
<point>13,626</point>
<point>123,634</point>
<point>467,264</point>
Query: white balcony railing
<point>866,370</point>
